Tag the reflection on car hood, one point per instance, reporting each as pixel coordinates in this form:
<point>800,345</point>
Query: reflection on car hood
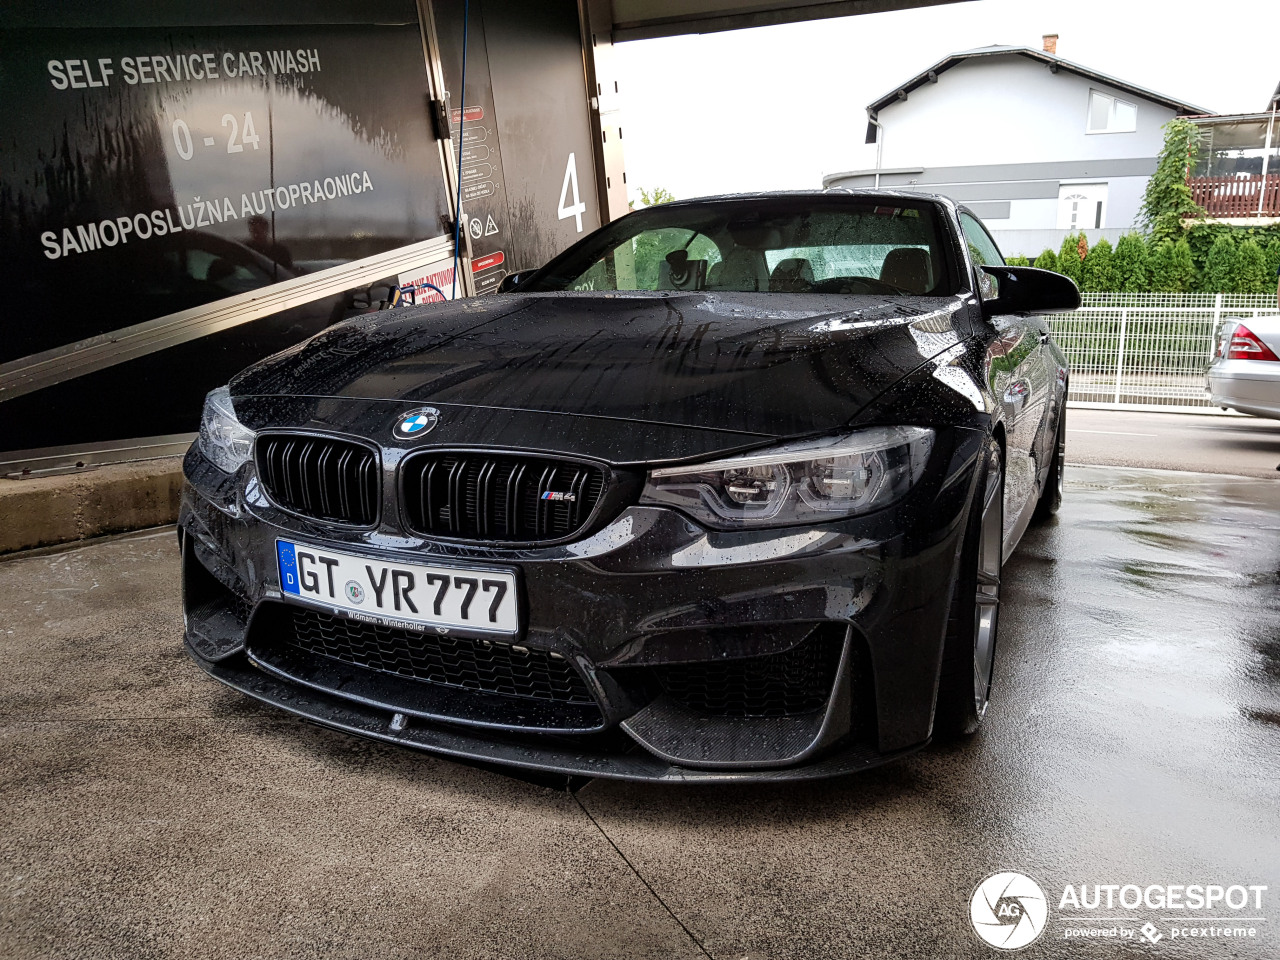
<point>775,364</point>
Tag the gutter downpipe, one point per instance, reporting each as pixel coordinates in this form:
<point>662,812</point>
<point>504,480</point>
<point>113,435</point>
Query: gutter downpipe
<point>880,146</point>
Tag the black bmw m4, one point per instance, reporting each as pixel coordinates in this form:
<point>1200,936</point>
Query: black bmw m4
<point>722,492</point>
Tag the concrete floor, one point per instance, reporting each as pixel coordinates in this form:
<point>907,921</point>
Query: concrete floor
<point>146,811</point>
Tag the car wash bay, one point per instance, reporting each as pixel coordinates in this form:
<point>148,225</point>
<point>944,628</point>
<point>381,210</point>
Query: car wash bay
<point>146,811</point>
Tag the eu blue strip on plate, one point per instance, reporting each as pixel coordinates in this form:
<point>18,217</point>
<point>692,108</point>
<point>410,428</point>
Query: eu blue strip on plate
<point>288,567</point>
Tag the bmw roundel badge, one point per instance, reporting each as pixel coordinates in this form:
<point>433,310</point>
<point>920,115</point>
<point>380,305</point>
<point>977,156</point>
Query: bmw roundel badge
<point>417,423</point>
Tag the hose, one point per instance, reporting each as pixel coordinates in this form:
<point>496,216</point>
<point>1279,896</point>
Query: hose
<point>462,120</point>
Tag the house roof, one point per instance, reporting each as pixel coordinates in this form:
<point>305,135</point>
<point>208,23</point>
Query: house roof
<point>1052,61</point>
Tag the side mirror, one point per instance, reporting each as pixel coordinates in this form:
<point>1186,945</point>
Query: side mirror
<point>511,282</point>
<point>1026,290</point>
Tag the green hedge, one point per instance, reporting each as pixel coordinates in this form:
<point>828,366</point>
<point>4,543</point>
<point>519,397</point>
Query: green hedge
<point>1209,258</point>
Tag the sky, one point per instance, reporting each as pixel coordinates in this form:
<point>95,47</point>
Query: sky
<point>775,108</point>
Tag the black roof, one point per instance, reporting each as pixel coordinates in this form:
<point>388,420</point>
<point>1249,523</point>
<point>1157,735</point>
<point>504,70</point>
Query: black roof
<point>1052,61</point>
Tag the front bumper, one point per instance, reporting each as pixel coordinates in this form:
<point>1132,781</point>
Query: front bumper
<point>594,756</point>
<point>647,597</point>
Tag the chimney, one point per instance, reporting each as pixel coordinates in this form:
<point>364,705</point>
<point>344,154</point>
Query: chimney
<point>1051,43</point>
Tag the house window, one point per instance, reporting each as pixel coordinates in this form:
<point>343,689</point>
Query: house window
<point>1109,115</point>
<point>1082,206</point>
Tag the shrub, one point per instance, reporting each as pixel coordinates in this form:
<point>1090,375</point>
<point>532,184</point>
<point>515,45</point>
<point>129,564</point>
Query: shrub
<point>1098,273</point>
<point>1272,254</point>
<point>1171,268</point>
<point>1251,274</point>
<point>1184,268</point>
<point>1162,267</point>
<point>1132,264</point>
<point>1069,258</point>
<point>1219,274</point>
<point>1017,262</point>
<point>1201,237</point>
<point>1048,260</point>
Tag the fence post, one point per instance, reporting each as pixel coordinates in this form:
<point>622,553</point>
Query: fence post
<point>1124,322</point>
<point>1217,313</point>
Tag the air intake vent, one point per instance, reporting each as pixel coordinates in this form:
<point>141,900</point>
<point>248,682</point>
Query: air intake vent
<point>479,496</point>
<point>777,685</point>
<point>493,667</point>
<point>320,477</point>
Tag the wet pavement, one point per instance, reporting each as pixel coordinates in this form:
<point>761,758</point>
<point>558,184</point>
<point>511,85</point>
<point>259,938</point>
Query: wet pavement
<point>146,811</point>
<point>1243,446</point>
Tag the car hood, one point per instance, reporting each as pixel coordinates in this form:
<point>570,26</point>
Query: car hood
<point>771,365</point>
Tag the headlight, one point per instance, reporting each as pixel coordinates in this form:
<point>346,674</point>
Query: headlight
<point>223,439</point>
<point>799,483</point>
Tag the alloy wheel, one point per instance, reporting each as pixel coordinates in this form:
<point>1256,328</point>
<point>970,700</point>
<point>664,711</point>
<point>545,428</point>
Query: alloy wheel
<point>987,601</point>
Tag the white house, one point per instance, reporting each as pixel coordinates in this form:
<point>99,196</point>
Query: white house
<point>1034,144</point>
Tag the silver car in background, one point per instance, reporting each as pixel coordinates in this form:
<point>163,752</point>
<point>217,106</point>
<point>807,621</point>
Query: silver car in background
<point>1245,372</point>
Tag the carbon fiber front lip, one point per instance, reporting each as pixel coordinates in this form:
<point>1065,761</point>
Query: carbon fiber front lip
<point>551,757</point>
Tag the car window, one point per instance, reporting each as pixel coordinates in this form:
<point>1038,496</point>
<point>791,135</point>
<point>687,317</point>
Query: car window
<point>669,258</point>
<point>801,245</point>
<point>861,260</point>
<point>982,248</point>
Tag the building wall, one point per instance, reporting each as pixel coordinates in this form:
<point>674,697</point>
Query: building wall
<point>1007,110</point>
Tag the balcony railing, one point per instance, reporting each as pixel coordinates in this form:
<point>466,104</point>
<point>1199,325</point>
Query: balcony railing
<point>1252,196</point>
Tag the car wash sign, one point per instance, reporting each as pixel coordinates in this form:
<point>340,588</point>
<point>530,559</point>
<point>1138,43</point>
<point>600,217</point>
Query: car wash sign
<point>160,159</point>
<point>86,238</point>
<point>164,68</point>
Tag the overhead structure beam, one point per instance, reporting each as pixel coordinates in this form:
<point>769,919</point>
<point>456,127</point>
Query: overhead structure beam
<point>648,19</point>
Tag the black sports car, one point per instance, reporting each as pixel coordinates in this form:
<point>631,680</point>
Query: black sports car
<point>722,492</point>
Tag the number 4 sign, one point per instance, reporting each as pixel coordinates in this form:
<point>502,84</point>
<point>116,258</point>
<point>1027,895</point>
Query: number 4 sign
<point>578,208</point>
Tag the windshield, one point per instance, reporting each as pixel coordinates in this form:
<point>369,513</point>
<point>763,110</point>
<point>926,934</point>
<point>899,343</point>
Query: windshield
<point>788,245</point>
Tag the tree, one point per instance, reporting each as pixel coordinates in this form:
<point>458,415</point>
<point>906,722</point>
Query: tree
<point>1048,260</point>
<point>1220,266</point>
<point>651,198</point>
<point>1017,261</point>
<point>1132,264</point>
<point>1167,201</point>
<point>1251,269</point>
<point>1069,257</point>
<point>1098,273</point>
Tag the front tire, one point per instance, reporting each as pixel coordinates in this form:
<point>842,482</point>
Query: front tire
<point>968,656</point>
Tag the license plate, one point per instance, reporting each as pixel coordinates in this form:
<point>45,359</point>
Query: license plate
<point>408,594</point>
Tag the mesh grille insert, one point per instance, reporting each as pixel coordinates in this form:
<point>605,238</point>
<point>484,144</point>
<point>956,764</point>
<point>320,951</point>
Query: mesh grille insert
<point>778,685</point>
<point>480,496</point>
<point>489,666</point>
<point>320,477</point>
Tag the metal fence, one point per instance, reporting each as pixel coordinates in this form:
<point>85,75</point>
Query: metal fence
<point>1148,350</point>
